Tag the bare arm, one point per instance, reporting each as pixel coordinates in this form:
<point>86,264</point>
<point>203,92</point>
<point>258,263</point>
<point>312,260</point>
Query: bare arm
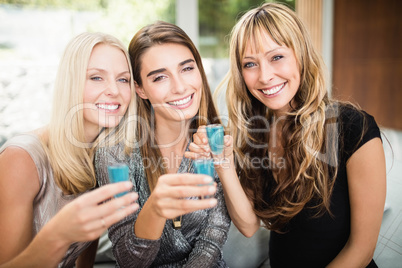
<point>367,190</point>
<point>239,206</point>
<point>18,188</point>
<point>80,220</point>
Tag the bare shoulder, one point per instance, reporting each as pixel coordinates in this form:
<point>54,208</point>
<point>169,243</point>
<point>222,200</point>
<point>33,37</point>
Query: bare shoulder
<point>18,172</point>
<point>19,184</point>
<point>372,150</point>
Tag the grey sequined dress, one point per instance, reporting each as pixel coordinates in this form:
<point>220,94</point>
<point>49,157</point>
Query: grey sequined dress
<point>50,198</point>
<point>197,244</point>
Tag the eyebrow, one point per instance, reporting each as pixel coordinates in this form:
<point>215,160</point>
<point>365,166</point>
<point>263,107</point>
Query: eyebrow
<point>102,70</point>
<point>268,52</point>
<point>186,61</point>
<point>164,69</point>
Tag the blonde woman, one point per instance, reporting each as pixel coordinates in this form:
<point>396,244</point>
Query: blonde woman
<point>174,227</point>
<point>310,168</point>
<point>48,215</point>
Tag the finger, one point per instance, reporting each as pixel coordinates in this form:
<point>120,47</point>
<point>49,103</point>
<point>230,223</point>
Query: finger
<point>228,140</point>
<point>179,192</point>
<point>176,207</point>
<point>200,137</point>
<point>185,206</point>
<point>104,215</point>
<point>116,203</point>
<point>199,148</point>
<point>195,156</point>
<point>119,214</point>
<point>184,179</point>
<point>106,192</point>
<point>105,210</point>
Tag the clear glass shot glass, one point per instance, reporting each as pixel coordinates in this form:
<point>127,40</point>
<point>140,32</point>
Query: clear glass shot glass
<point>206,167</point>
<point>216,133</point>
<point>117,173</point>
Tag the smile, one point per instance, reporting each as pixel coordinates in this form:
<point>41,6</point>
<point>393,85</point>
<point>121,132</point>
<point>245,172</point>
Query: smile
<point>181,102</point>
<point>273,90</point>
<point>110,107</point>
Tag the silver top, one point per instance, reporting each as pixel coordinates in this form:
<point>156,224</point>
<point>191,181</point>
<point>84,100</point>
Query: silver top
<point>198,243</point>
<point>50,198</point>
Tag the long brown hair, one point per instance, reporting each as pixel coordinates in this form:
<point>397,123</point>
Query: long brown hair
<point>305,132</point>
<point>147,37</point>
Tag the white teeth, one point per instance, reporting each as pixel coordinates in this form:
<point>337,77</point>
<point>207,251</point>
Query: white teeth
<point>180,102</point>
<point>273,90</point>
<point>107,106</point>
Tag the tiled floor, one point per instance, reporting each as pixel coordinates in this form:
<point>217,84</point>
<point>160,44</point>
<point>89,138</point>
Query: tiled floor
<point>388,253</point>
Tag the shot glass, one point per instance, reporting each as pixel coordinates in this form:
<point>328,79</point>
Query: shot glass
<point>215,133</point>
<point>206,167</point>
<point>117,173</point>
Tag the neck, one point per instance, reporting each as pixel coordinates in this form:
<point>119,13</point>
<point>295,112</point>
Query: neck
<point>172,136</point>
<point>90,133</point>
<point>172,140</point>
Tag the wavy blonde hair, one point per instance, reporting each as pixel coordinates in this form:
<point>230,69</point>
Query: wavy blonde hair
<point>160,33</point>
<point>71,158</point>
<point>305,134</point>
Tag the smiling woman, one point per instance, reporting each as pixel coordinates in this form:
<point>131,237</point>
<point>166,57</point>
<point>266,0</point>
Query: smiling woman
<point>271,73</point>
<point>319,181</point>
<point>174,90</point>
<point>175,227</point>
<point>54,219</point>
<point>107,90</point>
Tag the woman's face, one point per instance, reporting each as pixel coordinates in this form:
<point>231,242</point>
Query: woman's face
<point>271,74</point>
<point>107,90</point>
<point>171,81</point>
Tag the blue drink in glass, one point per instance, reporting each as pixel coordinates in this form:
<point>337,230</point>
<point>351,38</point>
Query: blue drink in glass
<point>118,173</point>
<point>215,135</point>
<point>204,166</point>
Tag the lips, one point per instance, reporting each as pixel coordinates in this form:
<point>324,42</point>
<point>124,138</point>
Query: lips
<point>273,90</point>
<point>181,102</point>
<point>108,107</point>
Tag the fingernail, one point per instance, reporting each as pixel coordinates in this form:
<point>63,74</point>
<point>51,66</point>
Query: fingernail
<point>134,207</point>
<point>208,179</point>
<point>213,202</point>
<point>211,190</point>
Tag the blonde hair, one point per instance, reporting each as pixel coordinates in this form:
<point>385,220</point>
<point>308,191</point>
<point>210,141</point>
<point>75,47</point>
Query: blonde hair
<point>156,34</point>
<point>71,158</point>
<point>305,133</point>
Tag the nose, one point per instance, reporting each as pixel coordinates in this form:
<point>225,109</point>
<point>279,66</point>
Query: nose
<point>266,72</point>
<point>112,89</point>
<point>179,85</point>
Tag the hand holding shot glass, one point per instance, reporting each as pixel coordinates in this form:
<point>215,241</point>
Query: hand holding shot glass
<point>117,173</point>
<point>216,133</point>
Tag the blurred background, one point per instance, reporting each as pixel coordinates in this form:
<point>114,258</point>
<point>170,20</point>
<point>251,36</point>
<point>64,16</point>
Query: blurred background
<point>360,41</point>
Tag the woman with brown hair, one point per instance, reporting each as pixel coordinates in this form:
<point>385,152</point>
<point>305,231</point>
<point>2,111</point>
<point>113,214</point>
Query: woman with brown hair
<point>311,169</point>
<point>174,227</point>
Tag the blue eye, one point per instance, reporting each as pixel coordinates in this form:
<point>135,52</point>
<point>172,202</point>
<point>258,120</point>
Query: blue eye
<point>124,80</point>
<point>276,58</point>
<point>249,65</point>
<point>96,78</point>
